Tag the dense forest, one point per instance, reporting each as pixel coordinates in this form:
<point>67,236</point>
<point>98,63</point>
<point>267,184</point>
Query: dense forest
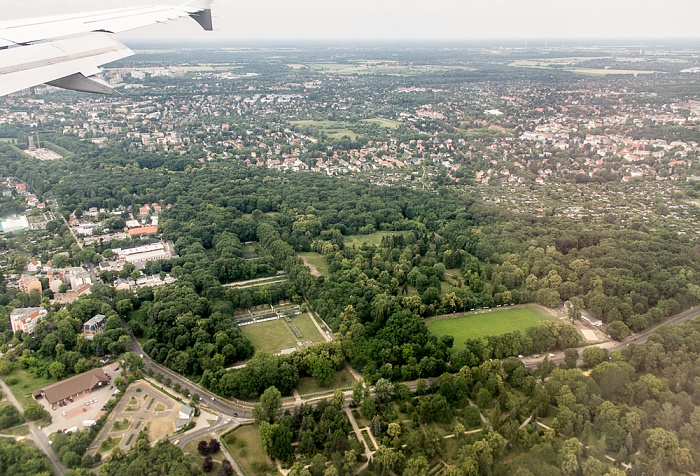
<point>439,253</point>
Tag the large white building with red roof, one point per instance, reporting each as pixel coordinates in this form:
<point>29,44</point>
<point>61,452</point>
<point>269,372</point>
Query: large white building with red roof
<point>25,319</point>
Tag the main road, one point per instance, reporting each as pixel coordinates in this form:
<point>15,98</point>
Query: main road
<point>558,357</point>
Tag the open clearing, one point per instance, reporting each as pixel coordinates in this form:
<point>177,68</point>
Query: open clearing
<point>333,129</point>
<point>342,379</point>
<point>23,384</point>
<point>380,121</point>
<point>371,239</point>
<point>316,262</point>
<point>246,447</point>
<point>487,323</point>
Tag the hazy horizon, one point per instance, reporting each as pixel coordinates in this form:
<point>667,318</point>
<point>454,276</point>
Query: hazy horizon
<point>402,20</point>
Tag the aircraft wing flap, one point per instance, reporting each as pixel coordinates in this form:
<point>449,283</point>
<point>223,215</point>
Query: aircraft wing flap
<point>22,32</point>
<point>32,65</point>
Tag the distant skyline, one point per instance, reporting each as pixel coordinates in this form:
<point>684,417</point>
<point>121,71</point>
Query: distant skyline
<point>411,19</point>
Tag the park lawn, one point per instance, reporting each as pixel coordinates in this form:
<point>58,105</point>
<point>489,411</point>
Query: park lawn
<point>342,379</point>
<point>382,122</point>
<point>191,448</point>
<point>245,445</point>
<point>25,385</point>
<point>493,322</point>
<point>307,328</point>
<point>271,336</point>
<point>317,261</point>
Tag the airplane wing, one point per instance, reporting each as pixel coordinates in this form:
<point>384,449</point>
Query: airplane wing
<point>67,50</point>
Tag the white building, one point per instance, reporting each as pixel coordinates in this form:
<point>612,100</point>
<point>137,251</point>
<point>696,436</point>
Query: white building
<point>25,319</point>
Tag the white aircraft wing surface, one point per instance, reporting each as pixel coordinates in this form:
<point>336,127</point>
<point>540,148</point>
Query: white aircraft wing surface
<point>67,50</point>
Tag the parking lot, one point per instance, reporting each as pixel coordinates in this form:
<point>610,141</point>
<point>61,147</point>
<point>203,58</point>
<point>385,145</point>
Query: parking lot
<point>84,407</point>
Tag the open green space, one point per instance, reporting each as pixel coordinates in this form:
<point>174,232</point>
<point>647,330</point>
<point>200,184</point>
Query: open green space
<point>191,448</point>
<point>482,324</point>
<point>245,445</point>
<point>316,261</point>
<point>110,443</point>
<point>21,430</point>
<point>271,336</point>
<point>371,239</point>
<point>333,129</point>
<point>382,122</point>
<point>10,140</point>
<point>23,384</point>
<point>307,328</point>
<point>342,379</point>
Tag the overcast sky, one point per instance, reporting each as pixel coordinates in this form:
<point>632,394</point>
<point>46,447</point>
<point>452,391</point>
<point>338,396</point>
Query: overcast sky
<point>411,19</point>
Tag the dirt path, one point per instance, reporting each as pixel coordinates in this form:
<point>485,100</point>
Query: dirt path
<point>314,272</point>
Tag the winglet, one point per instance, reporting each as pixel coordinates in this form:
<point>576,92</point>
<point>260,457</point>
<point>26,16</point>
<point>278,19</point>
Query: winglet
<point>201,12</point>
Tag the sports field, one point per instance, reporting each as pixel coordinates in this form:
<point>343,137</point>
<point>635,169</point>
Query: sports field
<point>482,324</point>
<point>275,336</point>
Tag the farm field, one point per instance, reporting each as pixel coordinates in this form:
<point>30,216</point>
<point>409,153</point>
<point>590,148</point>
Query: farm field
<point>494,322</point>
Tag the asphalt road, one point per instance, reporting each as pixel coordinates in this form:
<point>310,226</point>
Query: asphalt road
<point>225,408</point>
<point>558,357</point>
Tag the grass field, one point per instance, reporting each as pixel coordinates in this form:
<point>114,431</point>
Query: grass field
<point>272,336</point>
<point>307,328</point>
<point>382,122</point>
<point>496,322</point>
<point>342,379</point>
<point>333,129</point>
<point>25,385</point>
<point>317,262</point>
<point>196,458</point>
<point>371,239</point>
<point>246,447</point>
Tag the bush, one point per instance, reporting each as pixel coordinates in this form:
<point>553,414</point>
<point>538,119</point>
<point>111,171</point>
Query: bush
<point>35,412</point>
<point>9,416</point>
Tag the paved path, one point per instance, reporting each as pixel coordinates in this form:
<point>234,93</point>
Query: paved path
<point>358,433</point>
<point>320,330</point>
<point>36,435</point>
